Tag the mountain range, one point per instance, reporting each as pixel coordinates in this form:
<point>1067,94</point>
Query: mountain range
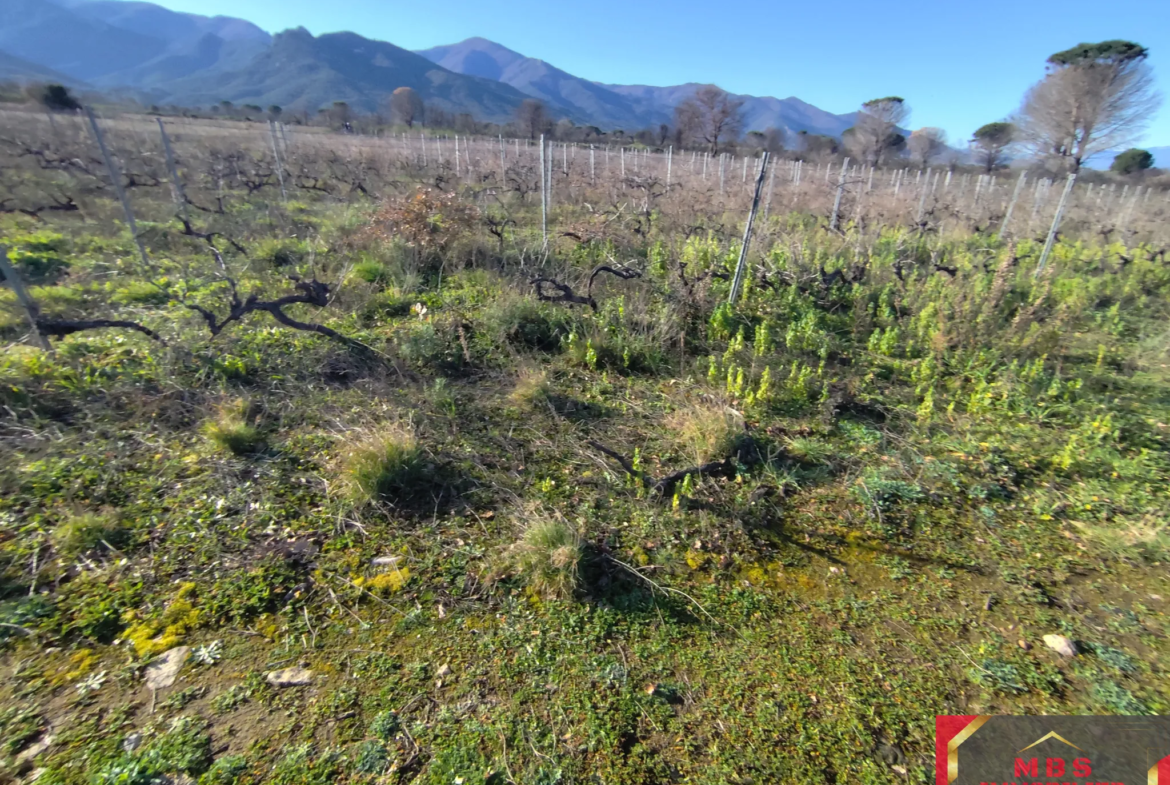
<point>611,106</point>
<point>158,56</point>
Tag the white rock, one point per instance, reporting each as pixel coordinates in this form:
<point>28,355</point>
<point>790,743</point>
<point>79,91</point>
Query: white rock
<point>1061,645</point>
<point>36,748</point>
<point>132,742</point>
<point>163,671</point>
<point>289,677</point>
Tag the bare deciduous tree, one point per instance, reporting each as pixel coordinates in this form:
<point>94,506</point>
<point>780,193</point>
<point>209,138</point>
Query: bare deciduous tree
<point>876,129</point>
<point>405,106</point>
<point>990,144</point>
<point>926,143</point>
<point>1095,97</point>
<point>532,118</point>
<point>339,114</point>
<point>774,139</point>
<point>710,115</point>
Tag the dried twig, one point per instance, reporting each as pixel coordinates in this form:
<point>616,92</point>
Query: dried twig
<point>663,486</point>
<point>567,295</point>
<point>59,328</point>
<point>666,589</point>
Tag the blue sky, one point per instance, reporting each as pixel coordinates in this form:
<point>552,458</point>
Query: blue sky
<point>958,64</point>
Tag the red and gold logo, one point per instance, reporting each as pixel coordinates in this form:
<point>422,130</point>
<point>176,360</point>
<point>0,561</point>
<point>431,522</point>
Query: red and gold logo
<point>1017,750</point>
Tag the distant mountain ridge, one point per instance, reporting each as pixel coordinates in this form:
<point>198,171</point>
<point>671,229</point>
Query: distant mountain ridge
<point>304,72</point>
<point>162,56</point>
<point>17,69</point>
<point>172,26</point>
<point>612,106</point>
<point>123,44</point>
<point>580,100</point>
<point>790,115</point>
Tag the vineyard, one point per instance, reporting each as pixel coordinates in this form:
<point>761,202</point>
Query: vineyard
<point>413,458</point>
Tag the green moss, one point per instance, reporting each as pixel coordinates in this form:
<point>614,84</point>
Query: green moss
<point>158,635</point>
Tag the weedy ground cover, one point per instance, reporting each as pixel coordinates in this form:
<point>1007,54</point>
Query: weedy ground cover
<point>515,539</point>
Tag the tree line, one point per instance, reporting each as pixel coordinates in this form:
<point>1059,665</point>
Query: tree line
<point>1093,98</point>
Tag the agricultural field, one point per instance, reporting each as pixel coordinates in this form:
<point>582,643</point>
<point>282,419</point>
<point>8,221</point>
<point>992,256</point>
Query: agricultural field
<point>372,482</point>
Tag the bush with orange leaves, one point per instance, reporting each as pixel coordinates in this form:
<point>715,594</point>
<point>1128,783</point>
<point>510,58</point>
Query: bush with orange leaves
<point>429,221</point>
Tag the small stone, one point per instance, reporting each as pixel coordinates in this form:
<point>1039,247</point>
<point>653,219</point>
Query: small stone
<point>1023,644</point>
<point>899,770</point>
<point>1061,645</point>
<point>289,677</point>
<point>132,742</point>
<point>163,671</point>
<point>443,670</point>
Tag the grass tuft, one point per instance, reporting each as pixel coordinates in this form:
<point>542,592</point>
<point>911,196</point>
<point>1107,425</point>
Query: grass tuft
<point>1146,539</point>
<point>381,465</point>
<point>532,387</point>
<point>706,432</point>
<point>548,557</point>
<point>84,533</point>
<point>230,430</point>
<point>813,452</point>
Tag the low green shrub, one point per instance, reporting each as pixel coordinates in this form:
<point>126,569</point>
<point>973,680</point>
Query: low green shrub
<point>280,252</point>
<point>225,771</point>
